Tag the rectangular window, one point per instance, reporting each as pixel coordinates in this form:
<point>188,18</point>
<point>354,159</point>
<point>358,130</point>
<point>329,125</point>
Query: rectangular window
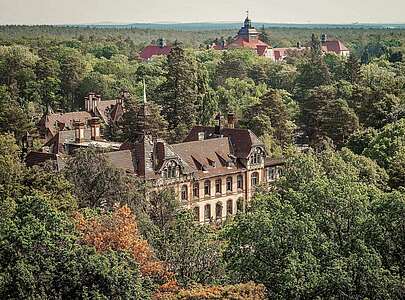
<point>218,184</point>
<point>240,182</point>
<point>229,184</point>
<point>196,190</point>
<point>207,188</point>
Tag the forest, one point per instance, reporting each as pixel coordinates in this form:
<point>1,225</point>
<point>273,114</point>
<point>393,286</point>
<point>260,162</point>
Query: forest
<point>332,227</point>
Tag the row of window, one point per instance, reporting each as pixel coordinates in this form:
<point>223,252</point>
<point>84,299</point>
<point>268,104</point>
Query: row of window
<point>207,187</point>
<point>218,186</point>
<point>218,210</point>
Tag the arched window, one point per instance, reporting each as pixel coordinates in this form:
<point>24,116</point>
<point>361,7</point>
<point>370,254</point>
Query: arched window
<point>207,188</point>
<point>184,193</point>
<point>229,183</point>
<point>229,207</point>
<point>197,213</point>
<point>255,179</point>
<point>196,190</point>
<point>240,182</point>
<point>218,211</point>
<point>207,213</point>
<point>218,186</point>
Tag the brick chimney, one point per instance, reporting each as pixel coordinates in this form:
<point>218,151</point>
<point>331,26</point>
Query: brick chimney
<point>95,129</point>
<point>231,120</point>
<point>79,131</point>
<point>91,102</point>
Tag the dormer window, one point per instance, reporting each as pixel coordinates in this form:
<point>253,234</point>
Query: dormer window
<point>256,157</point>
<point>170,171</point>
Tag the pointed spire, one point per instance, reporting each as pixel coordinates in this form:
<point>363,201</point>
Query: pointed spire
<point>144,92</point>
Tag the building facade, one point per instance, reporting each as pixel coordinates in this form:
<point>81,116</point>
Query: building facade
<point>214,171</point>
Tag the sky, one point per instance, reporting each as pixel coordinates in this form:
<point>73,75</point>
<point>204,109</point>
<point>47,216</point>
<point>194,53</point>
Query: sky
<point>134,11</point>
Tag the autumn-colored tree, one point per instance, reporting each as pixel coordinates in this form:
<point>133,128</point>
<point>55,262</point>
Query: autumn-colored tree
<point>246,291</point>
<point>118,231</point>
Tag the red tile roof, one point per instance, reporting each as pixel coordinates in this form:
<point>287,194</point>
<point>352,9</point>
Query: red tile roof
<point>240,42</point>
<point>335,46</point>
<point>149,51</point>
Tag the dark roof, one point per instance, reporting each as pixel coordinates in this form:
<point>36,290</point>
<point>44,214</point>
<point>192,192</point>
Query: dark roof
<point>121,160</point>
<point>104,107</point>
<point>242,140</point>
<point>269,162</point>
<point>65,136</point>
<point>35,158</point>
<point>52,121</point>
<point>207,158</point>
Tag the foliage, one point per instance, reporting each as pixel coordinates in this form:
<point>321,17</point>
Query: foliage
<point>96,182</point>
<point>41,259</point>
<point>118,231</point>
<point>314,237</point>
<point>248,291</point>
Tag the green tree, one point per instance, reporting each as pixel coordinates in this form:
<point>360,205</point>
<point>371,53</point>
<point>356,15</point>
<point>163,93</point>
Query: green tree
<point>96,182</point>
<point>312,237</point>
<point>42,259</point>
<point>353,69</point>
<point>139,119</point>
<point>274,116</point>
<point>179,95</point>
<point>325,115</point>
<point>313,70</point>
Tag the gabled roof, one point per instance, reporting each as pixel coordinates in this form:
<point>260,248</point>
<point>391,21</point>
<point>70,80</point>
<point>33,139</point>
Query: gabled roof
<point>208,158</point>
<point>149,51</point>
<point>56,121</point>
<point>335,46</point>
<point>241,140</point>
<point>103,107</point>
<point>204,153</point>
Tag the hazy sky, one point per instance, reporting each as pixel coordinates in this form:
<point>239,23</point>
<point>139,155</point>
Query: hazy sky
<point>125,11</point>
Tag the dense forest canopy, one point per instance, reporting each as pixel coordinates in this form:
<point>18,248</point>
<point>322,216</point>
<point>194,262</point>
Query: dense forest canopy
<point>331,228</point>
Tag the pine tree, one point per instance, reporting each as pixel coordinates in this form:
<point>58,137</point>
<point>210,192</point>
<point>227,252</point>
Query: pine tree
<point>140,119</point>
<point>313,71</point>
<point>179,94</point>
<point>353,70</point>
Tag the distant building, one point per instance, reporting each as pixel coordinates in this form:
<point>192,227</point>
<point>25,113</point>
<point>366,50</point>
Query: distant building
<point>333,46</point>
<point>327,46</point>
<point>248,38</point>
<point>161,48</point>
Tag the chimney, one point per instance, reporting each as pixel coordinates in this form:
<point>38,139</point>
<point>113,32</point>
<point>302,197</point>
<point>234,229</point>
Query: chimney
<point>218,126</point>
<point>201,136</point>
<point>79,131</point>
<point>231,120</point>
<point>159,153</point>
<point>161,43</point>
<point>91,102</point>
<point>95,129</point>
